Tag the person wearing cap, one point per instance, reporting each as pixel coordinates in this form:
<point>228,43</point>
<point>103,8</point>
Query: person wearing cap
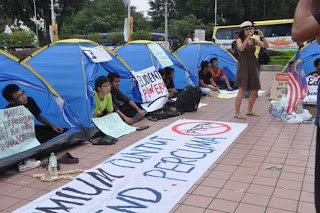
<point>247,77</point>
<point>306,25</point>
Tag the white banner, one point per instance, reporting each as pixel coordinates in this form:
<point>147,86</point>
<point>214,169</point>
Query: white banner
<point>151,175</point>
<point>159,53</point>
<point>311,97</point>
<point>153,90</point>
<point>16,131</point>
<point>96,54</point>
<point>113,125</point>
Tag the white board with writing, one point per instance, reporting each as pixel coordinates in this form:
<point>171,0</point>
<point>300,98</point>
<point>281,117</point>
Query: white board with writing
<point>153,90</point>
<point>313,83</point>
<point>96,54</point>
<point>17,132</point>
<point>113,125</point>
<point>159,53</point>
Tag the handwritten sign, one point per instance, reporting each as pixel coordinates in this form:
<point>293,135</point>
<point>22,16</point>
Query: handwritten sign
<point>159,53</point>
<point>113,125</point>
<point>153,90</point>
<point>16,131</point>
<point>313,83</point>
<point>279,85</point>
<point>151,175</point>
<point>96,54</point>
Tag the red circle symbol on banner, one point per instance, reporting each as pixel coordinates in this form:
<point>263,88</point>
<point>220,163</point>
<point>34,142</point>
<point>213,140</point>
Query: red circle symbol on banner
<point>201,128</point>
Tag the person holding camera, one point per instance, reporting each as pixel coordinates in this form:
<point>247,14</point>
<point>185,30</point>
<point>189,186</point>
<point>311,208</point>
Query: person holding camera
<point>247,77</point>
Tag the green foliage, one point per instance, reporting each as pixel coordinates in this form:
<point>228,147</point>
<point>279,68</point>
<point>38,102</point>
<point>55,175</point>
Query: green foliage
<point>282,59</point>
<point>22,38</point>
<point>97,37</point>
<point>115,38</point>
<point>5,40</point>
<point>141,35</point>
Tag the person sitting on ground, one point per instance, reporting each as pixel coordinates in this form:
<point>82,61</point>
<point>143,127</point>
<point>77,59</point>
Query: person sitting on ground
<point>16,97</point>
<point>290,66</point>
<point>190,38</point>
<point>102,97</point>
<point>216,73</point>
<point>316,64</point>
<point>169,82</point>
<point>207,85</point>
<point>163,74</point>
<point>128,110</point>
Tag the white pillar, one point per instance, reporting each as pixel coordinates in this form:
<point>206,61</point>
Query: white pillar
<point>36,21</point>
<point>215,12</point>
<point>166,21</point>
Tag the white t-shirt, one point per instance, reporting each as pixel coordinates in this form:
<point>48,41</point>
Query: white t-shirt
<point>190,40</point>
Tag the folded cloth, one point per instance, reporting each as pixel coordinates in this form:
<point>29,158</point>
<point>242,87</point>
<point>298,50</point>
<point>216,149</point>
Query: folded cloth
<point>67,158</point>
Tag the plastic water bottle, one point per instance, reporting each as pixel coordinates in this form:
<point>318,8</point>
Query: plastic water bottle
<point>274,111</point>
<point>284,116</point>
<point>300,107</point>
<point>52,167</point>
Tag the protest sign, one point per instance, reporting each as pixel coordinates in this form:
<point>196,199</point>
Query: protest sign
<point>96,54</point>
<point>279,85</point>
<point>16,131</point>
<point>153,90</point>
<point>113,125</point>
<point>311,97</point>
<point>159,53</point>
<point>151,175</point>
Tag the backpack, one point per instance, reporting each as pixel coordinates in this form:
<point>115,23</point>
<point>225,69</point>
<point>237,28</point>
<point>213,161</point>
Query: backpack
<point>188,99</point>
<point>264,57</point>
<point>161,114</point>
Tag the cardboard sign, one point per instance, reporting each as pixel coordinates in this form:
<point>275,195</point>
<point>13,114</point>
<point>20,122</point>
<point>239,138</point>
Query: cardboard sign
<point>96,54</point>
<point>16,131</point>
<point>159,53</point>
<point>279,85</point>
<point>200,34</point>
<point>113,125</point>
<point>150,176</point>
<point>153,90</point>
<point>313,83</point>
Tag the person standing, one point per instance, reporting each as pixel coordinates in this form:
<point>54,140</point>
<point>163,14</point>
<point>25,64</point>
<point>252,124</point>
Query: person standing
<point>190,38</point>
<point>247,77</point>
<point>306,25</point>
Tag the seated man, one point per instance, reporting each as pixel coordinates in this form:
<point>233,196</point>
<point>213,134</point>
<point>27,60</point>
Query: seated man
<point>169,82</point>
<point>126,108</point>
<point>16,97</point>
<point>102,97</point>
<point>216,73</point>
<point>207,85</point>
<point>316,64</point>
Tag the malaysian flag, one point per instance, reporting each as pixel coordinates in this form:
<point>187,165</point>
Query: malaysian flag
<point>297,84</point>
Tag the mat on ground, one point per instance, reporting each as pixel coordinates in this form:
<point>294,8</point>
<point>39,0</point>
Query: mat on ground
<point>151,175</point>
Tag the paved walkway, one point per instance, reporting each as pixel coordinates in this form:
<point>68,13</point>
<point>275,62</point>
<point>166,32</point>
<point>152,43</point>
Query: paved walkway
<point>269,167</point>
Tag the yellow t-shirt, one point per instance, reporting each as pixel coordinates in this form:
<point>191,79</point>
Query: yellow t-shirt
<point>257,38</point>
<point>102,105</point>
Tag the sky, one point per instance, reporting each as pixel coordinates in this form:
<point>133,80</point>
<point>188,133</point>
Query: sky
<point>142,5</point>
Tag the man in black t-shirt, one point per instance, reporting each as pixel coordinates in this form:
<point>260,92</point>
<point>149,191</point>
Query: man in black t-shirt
<point>169,82</point>
<point>16,97</point>
<point>207,84</point>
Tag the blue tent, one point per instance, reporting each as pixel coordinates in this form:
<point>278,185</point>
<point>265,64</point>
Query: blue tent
<point>194,53</point>
<point>308,54</point>
<point>139,56</point>
<point>72,73</point>
<point>53,106</point>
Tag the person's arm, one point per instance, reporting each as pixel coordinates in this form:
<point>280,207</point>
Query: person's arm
<point>305,25</point>
<point>139,111</point>
<point>124,117</point>
<point>264,43</point>
<point>43,120</point>
<point>227,82</point>
<point>215,86</point>
<point>241,46</point>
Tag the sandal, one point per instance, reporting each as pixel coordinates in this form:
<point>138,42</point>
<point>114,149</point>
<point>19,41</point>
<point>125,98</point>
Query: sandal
<point>241,117</point>
<point>152,118</point>
<point>253,114</point>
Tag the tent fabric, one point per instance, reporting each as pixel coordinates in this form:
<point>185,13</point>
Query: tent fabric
<point>72,74</point>
<point>194,53</point>
<point>308,54</point>
<point>53,106</point>
<point>139,56</point>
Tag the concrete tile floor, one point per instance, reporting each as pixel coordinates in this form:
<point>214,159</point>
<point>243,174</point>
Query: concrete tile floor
<point>269,167</point>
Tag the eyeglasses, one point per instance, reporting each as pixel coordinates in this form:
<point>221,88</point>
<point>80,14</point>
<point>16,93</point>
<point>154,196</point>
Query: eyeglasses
<point>20,95</point>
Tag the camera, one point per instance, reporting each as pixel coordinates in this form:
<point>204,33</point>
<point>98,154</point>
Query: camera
<point>256,32</point>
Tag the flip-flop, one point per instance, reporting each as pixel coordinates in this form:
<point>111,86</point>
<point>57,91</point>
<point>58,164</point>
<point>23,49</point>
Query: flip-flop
<point>253,114</point>
<point>241,117</point>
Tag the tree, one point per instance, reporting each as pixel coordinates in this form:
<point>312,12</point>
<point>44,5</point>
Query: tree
<point>141,35</point>
<point>157,11</point>
<point>22,38</point>
<point>97,37</point>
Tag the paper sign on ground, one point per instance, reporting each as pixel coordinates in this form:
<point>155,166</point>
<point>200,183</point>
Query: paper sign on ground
<point>151,175</point>
<point>153,90</point>
<point>96,54</point>
<point>113,125</point>
<point>279,85</point>
<point>159,53</point>
<point>16,131</point>
<point>311,97</point>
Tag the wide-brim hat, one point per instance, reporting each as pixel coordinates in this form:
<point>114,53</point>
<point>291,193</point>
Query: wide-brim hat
<point>246,24</point>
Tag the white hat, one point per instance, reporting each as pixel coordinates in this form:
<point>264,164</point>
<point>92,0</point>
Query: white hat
<point>246,24</point>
